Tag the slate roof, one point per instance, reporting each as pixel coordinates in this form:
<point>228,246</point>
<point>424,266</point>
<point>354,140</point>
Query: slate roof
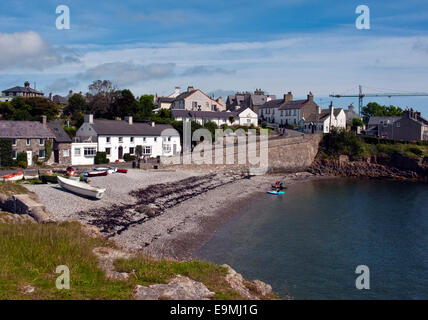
<point>60,99</point>
<point>56,129</point>
<point>272,104</point>
<point>120,127</point>
<point>22,89</point>
<point>24,129</point>
<point>374,121</point>
<point>165,99</point>
<point>295,104</point>
<point>313,117</point>
<point>203,114</point>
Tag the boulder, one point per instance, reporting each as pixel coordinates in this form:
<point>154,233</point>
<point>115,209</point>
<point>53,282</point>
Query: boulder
<point>179,288</point>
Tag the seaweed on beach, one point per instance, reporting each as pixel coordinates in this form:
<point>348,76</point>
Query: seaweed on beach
<point>118,218</point>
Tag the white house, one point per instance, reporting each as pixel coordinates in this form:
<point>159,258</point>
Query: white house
<point>244,117</point>
<point>120,137</point>
<point>324,120</point>
<point>83,153</point>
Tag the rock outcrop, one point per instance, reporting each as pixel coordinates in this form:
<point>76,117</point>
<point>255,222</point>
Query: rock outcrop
<point>370,168</point>
<point>179,288</point>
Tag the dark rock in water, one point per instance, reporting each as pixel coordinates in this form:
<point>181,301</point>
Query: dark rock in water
<point>149,210</point>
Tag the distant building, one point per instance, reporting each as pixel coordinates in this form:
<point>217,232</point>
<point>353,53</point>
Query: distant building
<point>287,111</point>
<point>195,100</point>
<point>254,101</point>
<point>27,136</point>
<point>410,127</point>
<point>351,114</point>
<point>244,117</point>
<point>119,137</point>
<point>26,91</point>
<point>324,120</point>
<point>164,102</point>
<point>377,122</point>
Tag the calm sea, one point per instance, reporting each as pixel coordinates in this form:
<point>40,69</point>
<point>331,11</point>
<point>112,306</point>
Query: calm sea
<point>309,242</point>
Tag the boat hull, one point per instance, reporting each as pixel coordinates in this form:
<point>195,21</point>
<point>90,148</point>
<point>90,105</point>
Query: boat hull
<point>97,173</point>
<point>80,188</point>
<point>13,177</point>
<point>275,193</point>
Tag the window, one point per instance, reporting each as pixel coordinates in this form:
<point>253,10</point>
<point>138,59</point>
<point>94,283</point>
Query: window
<point>66,153</point>
<point>108,139</point>
<point>41,154</point>
<point>28,142</point>
<point>144,139</point>
<point>132,139</point>
<point>77,152</point>
<point>89,151</point>
<point>147,150</point>
<point>156,139</point>
<point>108,151</point>
<point>42,142</point>
<point>14,154</point>
<point>167,148</point>
<point>120,139</point>
<point>131,150</point>
<point>14,142</point>
<point>169,138</point>
<point>194,105</point>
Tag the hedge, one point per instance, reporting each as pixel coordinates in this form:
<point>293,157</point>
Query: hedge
<point>101,158</point>
<point>6,152</point>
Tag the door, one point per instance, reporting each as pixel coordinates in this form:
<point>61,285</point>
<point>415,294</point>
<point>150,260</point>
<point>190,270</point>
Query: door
<point>30,158</point>
<point>120,152</point>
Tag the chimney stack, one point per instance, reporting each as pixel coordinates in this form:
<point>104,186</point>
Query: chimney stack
<point>50,96</point>
<point>288,97</point>
<point>190,89</point>
<point>27,84</point>
<point>89,118</point>
<point>129,120</point>
<point>310,96</point>
<point>43,120</point>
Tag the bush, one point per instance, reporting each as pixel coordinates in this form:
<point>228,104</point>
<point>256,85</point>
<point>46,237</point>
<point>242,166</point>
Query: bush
<point>139,151</point>
<point>6,152</point>
<point>101,158</point>
<point>129,157</point>
<point>21,159</point>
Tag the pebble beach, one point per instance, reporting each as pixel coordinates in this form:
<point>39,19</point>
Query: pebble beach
<point>192,204</point>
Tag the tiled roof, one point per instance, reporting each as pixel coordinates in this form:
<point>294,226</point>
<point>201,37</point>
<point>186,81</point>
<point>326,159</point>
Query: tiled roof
<point>24,129</point>
<point>120,127</point>
<point>60,135</point>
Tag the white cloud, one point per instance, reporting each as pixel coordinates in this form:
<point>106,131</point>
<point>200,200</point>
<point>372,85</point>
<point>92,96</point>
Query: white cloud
<point>126,73</point>
<point>28,50</point>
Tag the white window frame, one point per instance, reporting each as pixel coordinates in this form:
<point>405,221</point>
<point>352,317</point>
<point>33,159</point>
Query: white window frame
<point>147,148</point>
<point>78,153</point>
<point>28,142</point>
<point>14,142</point>
<point>88,154</point>
<point>14,154</point>
<point>41,141</point>
<point>108,151</point>
<point>120,139</point>
<point>65,153</point>
<point>108,139</point>
<point>44,153</point>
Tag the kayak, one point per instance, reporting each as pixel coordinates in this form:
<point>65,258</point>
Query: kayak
<point>276,193</point>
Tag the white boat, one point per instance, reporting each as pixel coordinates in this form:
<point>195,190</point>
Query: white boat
<point>109,170</point>
<point>31,176</point>
<point>81,188</point>
<point>13,176</point>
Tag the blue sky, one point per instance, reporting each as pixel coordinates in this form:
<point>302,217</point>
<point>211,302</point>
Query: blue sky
<point>219,46</point>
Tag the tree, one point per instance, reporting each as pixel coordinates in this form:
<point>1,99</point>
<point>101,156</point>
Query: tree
<point>124,105</point>
<point>211,126</point>
<point>373,109</point>
<point>146,107</point>
<point>76,104</point>
<point>40,106</point>
<point>102,95</point>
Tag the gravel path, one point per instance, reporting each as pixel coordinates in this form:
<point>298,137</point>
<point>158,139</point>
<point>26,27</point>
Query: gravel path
<point>65,205</point>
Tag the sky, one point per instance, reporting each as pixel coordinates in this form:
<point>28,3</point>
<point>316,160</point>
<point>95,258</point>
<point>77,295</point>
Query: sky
<point>220,47</point>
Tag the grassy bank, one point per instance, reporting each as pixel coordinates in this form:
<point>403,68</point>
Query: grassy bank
<point>341,142</point>
<point>30,254</point>
<point>11,188</point>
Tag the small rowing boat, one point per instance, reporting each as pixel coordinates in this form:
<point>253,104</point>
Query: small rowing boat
<point>81,188</point>
<point>96,173</point>
<point>122,170</point>
<point>275,193</point>
<point>109,170</point>
<point>31,176</point>
<point>13,176</point>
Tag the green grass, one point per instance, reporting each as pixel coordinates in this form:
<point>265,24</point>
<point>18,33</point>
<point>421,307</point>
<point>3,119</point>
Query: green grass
<point>148,271</point>
<point>30,253</point>
<point>10,188</point>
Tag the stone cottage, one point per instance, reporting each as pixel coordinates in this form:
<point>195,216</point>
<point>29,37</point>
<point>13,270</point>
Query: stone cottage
<point>61,145</point>
<point>30,137</point>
